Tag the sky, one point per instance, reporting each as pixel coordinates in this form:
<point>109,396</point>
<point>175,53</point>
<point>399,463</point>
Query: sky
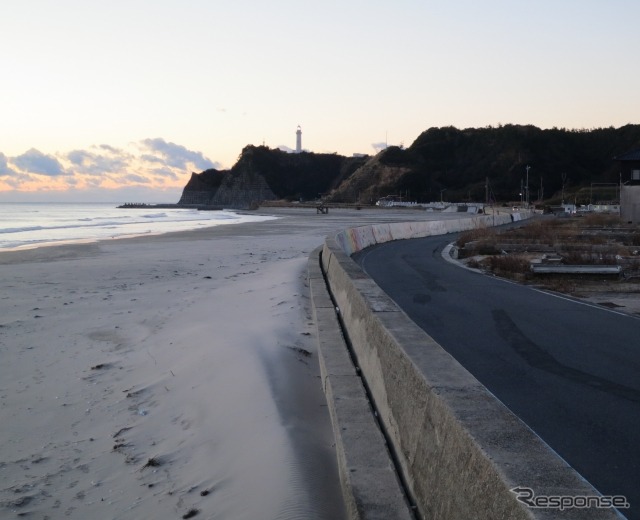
<point>121,100</point>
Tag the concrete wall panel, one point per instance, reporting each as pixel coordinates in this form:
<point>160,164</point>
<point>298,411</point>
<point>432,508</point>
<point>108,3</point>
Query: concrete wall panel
<point>460,450</point>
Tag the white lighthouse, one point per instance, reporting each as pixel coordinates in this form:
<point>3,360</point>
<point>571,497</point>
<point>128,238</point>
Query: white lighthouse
<point>298,139</point>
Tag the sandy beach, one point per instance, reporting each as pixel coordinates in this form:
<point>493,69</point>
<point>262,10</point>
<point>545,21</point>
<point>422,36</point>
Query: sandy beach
<point>169,376</point>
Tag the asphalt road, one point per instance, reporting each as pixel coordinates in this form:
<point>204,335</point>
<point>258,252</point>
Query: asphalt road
<point>570,371</point>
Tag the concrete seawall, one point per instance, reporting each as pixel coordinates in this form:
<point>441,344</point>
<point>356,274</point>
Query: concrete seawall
<point>458,449</point>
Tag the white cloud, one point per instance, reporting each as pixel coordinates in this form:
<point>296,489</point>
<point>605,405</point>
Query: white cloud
<point>177,155</point>
<point>90,163</point>
<point>109,148</point>
<point>165,173</point>
<point>151,158</point>
<point>133,178</point>
<point>78,157</point>
<point>153,163</point>
<point>34,161</point>
<point>4,167</point>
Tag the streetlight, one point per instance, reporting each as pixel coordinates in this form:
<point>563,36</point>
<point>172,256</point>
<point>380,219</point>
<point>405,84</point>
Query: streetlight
<point>441,192</point>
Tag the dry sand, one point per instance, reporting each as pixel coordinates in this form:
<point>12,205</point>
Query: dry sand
<point>161,376</point>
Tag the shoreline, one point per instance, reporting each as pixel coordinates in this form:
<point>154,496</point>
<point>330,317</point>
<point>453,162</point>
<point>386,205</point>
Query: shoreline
<point>167,348</point>
<point>43,233</point>
<point>350,217</point>
<point>148,376</point>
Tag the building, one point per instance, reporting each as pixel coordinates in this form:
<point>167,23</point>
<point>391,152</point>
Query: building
<point>629,166</point>
<point>630,186</point>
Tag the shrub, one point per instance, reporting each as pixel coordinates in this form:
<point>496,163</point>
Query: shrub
<point>474,263</point>
<point>601,220</point>
<point>514,264</point>
<point>589,256</point>
<point>474,235</point>
<point>633,239</point>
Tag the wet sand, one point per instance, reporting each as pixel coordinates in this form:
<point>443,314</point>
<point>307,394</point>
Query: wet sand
<point>163,376</point>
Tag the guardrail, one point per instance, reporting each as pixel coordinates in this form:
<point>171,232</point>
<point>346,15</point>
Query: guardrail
<point>575,269</point>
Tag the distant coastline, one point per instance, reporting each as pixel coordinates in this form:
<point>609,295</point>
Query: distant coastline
<point>144,205</point>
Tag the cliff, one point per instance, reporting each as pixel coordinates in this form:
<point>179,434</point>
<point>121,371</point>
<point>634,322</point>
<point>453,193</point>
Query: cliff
<point>377,177</point>
<point>265,174</point>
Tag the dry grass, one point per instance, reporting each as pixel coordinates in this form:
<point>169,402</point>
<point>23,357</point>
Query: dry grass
<point>540,232</point>
<point>589,256</point>
<point>560,233</point>
<point>563,285</point>
<point>510,265</point>
<point>601,220</point>
<point>590,240</point>
<point>475,235</point>
<point>632,239</point>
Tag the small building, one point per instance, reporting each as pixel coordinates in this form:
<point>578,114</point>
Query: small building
<point>630,186</point>
<point>604,207</point>
<point>630,203</point>
<point>630,166</point>
<point>563,209</point>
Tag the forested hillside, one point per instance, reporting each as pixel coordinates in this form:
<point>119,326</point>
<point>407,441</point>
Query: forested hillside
<point>447,162</point>
<point>460,162</point>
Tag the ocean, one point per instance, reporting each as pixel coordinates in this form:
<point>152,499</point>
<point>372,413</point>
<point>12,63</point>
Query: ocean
<point>28,225</point>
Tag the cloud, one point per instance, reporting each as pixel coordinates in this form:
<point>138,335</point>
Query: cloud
<point>11,178</point>
<point>90,163</point>
<point>78,157</point>
<point>108,148</point>
<point>34,161</point>
<point>151,158</point>
<point>136,179</point>
<point>177,155</point>
<point>4,166</point>
<point>153,163</point>
<point>165,172</point>
<point>378,147</point>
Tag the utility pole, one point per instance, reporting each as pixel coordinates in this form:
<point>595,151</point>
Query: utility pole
<point>521,193</point>
<point>620,189</point>
<point>527,185</point>
<point>486,191</point>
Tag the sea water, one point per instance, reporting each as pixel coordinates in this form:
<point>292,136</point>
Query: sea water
<point>27,225</point>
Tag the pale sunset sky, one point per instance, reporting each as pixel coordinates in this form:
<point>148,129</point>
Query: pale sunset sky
<point>122,100</point>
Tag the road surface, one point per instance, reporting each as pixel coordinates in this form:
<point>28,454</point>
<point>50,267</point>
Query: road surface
<point>569,370</point>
